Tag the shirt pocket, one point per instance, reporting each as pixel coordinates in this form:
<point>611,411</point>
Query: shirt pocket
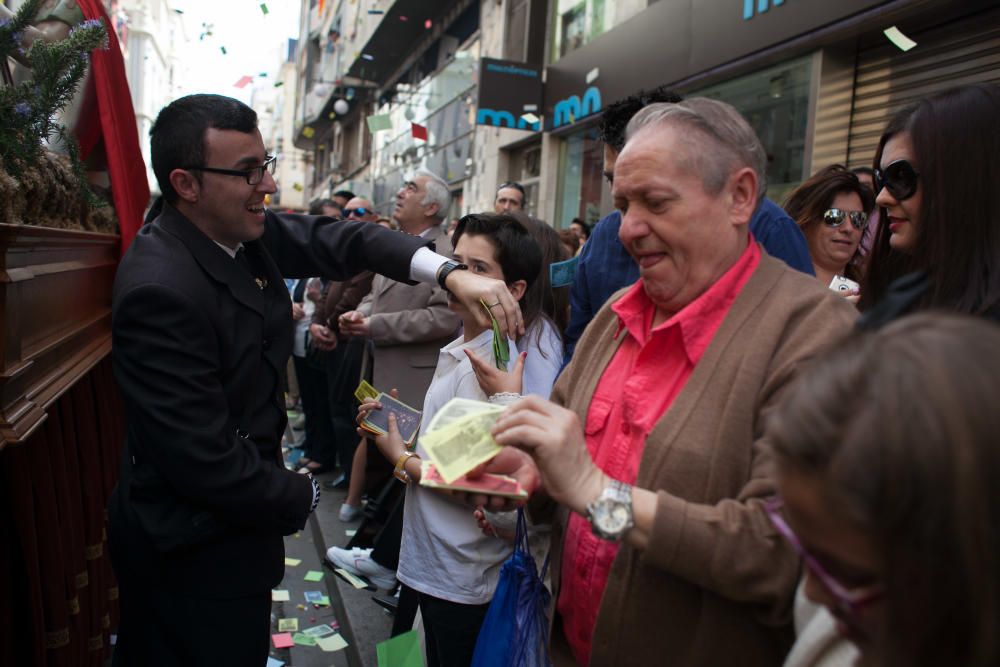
<point>597,415</point>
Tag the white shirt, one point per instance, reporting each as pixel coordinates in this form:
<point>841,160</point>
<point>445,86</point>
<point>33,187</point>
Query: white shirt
<point>545,351</point>
<point>302,326</point>
<point>443,551</point>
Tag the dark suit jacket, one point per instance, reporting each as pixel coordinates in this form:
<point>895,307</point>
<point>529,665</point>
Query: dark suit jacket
<point>198,350</point>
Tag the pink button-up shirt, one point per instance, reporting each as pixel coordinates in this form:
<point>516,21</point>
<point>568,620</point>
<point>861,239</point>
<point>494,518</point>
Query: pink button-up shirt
<point>646,374</point>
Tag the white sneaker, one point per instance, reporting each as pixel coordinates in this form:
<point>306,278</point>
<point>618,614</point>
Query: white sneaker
<point>349,513</point>
<point>359,563</point>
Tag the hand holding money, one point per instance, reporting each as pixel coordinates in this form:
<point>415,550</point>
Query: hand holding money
<point>554,439</point>
<point>495,381</point>
<point>391,444</point>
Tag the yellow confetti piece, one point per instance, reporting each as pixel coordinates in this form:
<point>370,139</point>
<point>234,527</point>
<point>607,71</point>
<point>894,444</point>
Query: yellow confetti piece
<point>292,562</point>
<point>280,596</point>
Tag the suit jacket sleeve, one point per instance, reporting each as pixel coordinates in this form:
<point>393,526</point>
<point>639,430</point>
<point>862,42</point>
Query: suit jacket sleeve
<point>304,245</point>
<point>167,365</point>
<point>416,325</point>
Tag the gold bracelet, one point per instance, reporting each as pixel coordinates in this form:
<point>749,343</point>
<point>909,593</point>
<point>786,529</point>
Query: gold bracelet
<point>399,472</point>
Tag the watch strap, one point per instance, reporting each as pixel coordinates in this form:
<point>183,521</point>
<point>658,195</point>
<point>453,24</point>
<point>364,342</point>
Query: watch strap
<point>447,268</point>
<point>399,471</point>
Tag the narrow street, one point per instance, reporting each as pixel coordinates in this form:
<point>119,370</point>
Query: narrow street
<point>360,621</point>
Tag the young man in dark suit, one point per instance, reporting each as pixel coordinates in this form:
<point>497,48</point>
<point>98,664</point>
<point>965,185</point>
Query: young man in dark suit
<point>201,333</point>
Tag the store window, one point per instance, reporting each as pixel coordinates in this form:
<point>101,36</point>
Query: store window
<point>581,178</point>
<point>526,169</point>
<point>776,103</point>
<point>577,22</point>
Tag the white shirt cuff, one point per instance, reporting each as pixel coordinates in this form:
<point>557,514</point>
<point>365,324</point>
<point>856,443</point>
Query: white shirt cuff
<point>424,265</point>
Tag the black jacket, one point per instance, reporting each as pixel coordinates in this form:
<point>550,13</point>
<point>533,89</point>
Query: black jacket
<point>199,347</point>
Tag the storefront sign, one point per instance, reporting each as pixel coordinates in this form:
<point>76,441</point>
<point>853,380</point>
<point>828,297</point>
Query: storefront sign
<point>510,94</point>
<point>672,41</point>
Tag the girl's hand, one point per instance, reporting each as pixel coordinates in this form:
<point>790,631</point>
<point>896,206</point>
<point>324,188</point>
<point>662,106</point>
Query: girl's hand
<point>492,380</point>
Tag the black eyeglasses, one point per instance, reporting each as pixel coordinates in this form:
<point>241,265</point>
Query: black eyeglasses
<point>899,178</point>
<point>834,217</point>
<point>253,175</point>
<point>359,211</point>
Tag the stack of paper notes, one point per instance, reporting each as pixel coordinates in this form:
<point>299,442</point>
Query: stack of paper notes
<point>457,440</point>
<point>377,421</point>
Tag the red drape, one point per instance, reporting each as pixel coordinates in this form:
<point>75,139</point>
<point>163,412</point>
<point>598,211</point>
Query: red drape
<point>112,119</point>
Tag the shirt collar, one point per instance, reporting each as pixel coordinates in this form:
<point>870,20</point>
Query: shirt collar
<point>635,310</point>
<point>457,347</point>
<point>229,251</point>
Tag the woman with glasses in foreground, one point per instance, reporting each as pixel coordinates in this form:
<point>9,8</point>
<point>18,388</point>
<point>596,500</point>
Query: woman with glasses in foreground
<point>937,181</point>
<point>887,470</point>
<point>831,210</point>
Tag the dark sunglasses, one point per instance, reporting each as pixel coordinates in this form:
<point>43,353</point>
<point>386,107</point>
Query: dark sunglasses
<point>899,178</point>
<point>359,211</point>
<point>834,217</point>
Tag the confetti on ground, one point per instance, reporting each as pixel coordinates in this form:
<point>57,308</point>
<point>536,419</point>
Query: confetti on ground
<point>292,562</point>
<point>280,596</point>
<point>351,532</point>
<point>313,575</point>
<point>274,662</point>
<point>288,625</point>
<point>303,640</point>
<point>334,643</point>
<point>354,581</point>
<point>282,640</point>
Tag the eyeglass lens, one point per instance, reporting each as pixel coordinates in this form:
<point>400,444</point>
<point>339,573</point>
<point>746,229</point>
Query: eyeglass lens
<point>256,174</point>
<point>899,178</point>
<point>836,217</point>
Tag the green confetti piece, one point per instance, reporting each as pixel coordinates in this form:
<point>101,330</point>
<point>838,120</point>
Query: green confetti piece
<point>313,575</point>
<point>263,8</point>
<point>223,49</point>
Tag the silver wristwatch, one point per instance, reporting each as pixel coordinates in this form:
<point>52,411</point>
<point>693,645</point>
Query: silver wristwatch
<point>610,515</point>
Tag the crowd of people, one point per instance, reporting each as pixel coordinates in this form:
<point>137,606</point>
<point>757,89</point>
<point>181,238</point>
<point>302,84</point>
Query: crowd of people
<point>762,430</point>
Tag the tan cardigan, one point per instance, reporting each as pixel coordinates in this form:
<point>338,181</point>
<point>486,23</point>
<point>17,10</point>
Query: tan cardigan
<point>716,583</point>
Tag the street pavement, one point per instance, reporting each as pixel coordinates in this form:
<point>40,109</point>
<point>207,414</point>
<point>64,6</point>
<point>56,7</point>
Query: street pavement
<point>362,623</point>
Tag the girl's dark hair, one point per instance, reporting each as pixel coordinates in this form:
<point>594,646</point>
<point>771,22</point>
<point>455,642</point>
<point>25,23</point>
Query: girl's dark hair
<point>807,203</point>
<point>901,424</point>
<point>955,144</point>
<point>541,298</point>
<point>515,250</point>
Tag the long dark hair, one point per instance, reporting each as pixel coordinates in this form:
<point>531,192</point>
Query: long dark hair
<point>808,202</point>
<point>956,147</point>
<point>901,425</point>
<point>542,299</point>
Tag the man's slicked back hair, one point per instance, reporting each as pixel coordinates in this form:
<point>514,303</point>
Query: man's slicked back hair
<point>177,139</point>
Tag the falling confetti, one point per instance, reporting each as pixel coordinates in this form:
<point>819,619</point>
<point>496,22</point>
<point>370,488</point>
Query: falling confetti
<point>263,8</point>
<point>367,56</point>
<point>242,83</point>
<point>428,24</point>
<point>308,132</point>
<point>418,131</point>
<point>403,18</point>
<point>223,49</point>
<point>376,11</point>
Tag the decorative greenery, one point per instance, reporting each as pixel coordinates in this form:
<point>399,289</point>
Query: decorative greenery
<point>28,110</point>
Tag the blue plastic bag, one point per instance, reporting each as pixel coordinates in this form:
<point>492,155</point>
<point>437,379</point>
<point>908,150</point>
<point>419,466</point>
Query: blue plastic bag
<point>515,632</point>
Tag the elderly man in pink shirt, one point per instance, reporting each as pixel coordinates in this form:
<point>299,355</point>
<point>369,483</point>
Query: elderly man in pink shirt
<point>654,442</point>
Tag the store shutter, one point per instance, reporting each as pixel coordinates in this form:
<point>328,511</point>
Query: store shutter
<point>963,51</point>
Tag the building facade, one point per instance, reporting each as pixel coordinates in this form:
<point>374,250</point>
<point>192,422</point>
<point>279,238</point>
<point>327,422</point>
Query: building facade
<point>817,81</point>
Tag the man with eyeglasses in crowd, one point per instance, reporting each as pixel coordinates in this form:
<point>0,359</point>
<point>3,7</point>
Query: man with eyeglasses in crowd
<point>201,327</point>
<point>510,198</point>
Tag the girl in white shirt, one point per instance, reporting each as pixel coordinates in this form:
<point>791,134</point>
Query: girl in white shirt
<point>444,556</point>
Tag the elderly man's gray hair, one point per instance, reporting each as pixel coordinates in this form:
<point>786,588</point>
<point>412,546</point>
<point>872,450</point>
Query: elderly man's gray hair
<point>437,192</point>
<point>724,141</point>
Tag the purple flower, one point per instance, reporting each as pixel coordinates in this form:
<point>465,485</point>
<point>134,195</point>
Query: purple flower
<point>22,109</point>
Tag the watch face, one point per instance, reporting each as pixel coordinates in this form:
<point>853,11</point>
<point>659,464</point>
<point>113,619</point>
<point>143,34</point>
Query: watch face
<point>611,516</point>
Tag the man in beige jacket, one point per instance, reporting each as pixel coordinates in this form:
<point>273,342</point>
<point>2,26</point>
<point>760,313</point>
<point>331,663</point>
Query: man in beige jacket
<point>654,444</point>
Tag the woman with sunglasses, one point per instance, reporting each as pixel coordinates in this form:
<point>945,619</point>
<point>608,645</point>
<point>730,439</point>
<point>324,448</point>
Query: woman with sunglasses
<point>831,210</point>
<point>887,473</point>
<point>937,180</point>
